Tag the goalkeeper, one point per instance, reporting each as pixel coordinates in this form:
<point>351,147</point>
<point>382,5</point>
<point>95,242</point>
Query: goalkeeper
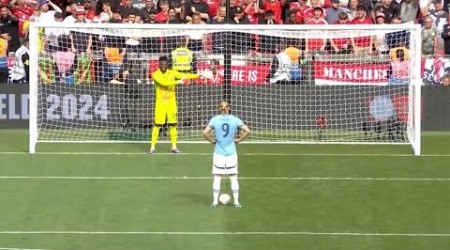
<point>165,81</point>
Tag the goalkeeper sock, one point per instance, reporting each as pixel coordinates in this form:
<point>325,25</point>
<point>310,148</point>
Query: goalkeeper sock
<point>235,188</point>
<point>216,188</point>
<point>173,136</point>
<point>155,134</point>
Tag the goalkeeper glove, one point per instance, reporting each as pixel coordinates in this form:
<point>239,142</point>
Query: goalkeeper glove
<point>182,80</point>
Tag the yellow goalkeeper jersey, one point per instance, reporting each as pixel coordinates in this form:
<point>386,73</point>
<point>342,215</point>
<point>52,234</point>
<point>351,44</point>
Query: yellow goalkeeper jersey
<point>165,84</point>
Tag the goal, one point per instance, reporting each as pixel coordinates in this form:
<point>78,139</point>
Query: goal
<point>350,84</point>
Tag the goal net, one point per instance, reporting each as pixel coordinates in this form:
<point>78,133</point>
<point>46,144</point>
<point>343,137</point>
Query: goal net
<point>291,84</point>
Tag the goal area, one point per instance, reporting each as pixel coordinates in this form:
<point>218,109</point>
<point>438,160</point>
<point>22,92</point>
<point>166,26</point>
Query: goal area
<point>330,84</point>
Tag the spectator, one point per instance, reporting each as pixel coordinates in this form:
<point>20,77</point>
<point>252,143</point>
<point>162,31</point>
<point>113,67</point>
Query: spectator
<point>332,13</point>
<point>281,68</point>
<point>429,34</point>
<point>90,12</point>
<point>57,38</point>
<point>106,14</point>
<point>132,19</point>
<point>446,81</point>
<point>116,17</point>
<point>269,18</point>
<point>276,7</point>
<point>81,45</point>
<point>197,6</point>
<point>239,42</point>
<point>145,11</point>
<point>291,18</point>
<point>438,14</point>
<point>269,43</point>
<point>36,16</point>
<point>341,45</point>
<point>310,12</point>
<point>380,18</point>
<point>238,17</point>
<point>220,17</point>
<point>351,10</point>
<point>163,15</point>
<point>20,73</point>
<point>115,5</point>
<point>219,38</point>
<point>151,16</point>
<point>254,11</point>
<point>72,8</point>
<point>299,9</point>
<point>408,10</point>
<point>128,9</point>
<point>64,66</point>
<point>48,15</point>
<point>362,45</point>
<point>9,29</point>
<point>196,41</point>
<point>389,8</point>
<point>296,61</point>
<point>314,45</point>
<point>399,71</point>
<point>23,11</point>
<point>213,6</point>
<point>174,17</point>
<point>380,40</point>
<point>446,36</point>
<point>114,58</point>
<point>4,70</point>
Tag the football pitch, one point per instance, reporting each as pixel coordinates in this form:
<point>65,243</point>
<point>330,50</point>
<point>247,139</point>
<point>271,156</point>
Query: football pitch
<point>327,197</point>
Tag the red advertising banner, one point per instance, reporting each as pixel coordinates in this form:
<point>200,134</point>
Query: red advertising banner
<point>338,73</point>
<point>240,74</point>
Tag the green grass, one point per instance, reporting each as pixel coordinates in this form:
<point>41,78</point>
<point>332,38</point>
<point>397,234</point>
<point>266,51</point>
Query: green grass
<point>182,205</point>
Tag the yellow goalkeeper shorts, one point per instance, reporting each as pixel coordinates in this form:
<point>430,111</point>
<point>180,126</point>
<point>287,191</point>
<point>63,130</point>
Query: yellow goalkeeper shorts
<point>163,112</point>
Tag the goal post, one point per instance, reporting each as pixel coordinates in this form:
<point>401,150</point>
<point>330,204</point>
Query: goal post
<point>330,93</point>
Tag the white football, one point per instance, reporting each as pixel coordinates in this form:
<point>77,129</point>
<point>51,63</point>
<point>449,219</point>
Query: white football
<point>224,199</point>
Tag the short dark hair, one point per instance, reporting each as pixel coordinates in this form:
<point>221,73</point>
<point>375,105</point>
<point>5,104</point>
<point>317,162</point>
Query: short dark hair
<point>214,62</point>
<point>163,58</point>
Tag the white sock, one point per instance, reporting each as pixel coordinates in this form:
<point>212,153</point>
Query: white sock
<point>216,188</point>
<point>235,188</point>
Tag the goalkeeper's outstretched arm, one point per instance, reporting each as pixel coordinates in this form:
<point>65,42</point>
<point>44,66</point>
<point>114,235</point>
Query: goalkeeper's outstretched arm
<point>180,75</point>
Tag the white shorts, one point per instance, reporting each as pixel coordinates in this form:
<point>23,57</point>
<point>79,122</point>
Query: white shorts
<point>225,165</point>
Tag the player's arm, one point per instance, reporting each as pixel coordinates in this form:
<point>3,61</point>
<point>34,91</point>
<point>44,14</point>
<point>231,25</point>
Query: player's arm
<point>159,79</point>
<point>244,134</point>
<point>180,75</point>
<point>207,134</point>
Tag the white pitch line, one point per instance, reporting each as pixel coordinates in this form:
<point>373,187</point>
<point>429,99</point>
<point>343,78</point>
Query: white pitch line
<point>228,233</point>
<point>241,154</point>
<point>12,177</point>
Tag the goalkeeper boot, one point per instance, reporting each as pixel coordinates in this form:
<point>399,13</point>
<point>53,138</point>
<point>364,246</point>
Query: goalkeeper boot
<point>152,151</point>
<point>175,151</point>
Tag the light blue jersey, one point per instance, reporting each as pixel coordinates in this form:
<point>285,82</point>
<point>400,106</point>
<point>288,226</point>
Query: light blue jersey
<point>225,128</point>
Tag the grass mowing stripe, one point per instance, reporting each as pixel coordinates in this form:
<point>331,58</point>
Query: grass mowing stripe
<point>15,248</point>
<point>210,178</point>
<point>210,154</point>
<point>229,233</point>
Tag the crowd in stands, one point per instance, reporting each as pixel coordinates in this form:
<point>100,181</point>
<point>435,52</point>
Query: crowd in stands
<point>15,16</point>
